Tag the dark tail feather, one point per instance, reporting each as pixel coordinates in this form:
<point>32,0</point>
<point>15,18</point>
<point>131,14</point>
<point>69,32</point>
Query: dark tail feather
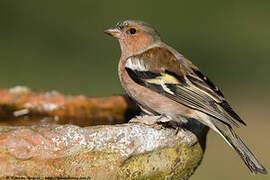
<point>246,155</point>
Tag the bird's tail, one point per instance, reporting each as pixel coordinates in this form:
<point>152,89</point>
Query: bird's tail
<point>237,144</point>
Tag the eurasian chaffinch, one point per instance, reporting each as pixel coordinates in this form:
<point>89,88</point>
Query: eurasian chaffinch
<point>163,82</point>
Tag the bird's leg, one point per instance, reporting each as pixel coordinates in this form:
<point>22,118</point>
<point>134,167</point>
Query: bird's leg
<point>147,117</point>
<point>167,122</point>
<point>163,118</point>
<point>150,119</point>
<point>160,121</point>
<point>181,122</point>
<point>178,122</point>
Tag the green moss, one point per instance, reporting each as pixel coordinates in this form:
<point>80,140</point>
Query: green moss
<point>177,162</point>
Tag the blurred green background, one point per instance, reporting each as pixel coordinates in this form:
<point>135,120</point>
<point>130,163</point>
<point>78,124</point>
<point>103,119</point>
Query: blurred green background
<point>60,45</point>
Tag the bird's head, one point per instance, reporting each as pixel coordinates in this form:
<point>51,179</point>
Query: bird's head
<point>134,36</point>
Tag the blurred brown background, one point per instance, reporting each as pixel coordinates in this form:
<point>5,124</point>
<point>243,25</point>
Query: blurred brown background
<point>60,45</point>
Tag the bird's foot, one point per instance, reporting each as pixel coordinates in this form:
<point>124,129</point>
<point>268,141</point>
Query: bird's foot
<point>163,118</point>
<point>178,123</point>
<point>145,119</point>
<point>153,121</point>
<point>158,122</point>
<point>157,126</point>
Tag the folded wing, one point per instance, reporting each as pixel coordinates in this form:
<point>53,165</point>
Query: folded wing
<point>159,70</point>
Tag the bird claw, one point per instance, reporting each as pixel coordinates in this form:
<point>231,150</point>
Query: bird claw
<point>145,119</point>
<point>157,122</point>
<point>157,126</point>
<point>163,118</point>
<point>153,121</point>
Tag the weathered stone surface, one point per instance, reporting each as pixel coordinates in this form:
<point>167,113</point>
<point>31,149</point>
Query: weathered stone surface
<point>127,151</point>
<point>121,151</point>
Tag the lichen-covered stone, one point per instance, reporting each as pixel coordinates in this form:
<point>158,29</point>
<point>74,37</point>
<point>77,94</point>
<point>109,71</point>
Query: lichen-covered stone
<point>126,151</point>
<point>176,162</point>
<point>37,139</point>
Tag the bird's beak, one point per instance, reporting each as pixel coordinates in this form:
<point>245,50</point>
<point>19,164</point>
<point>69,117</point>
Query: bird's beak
<point>114,32</point>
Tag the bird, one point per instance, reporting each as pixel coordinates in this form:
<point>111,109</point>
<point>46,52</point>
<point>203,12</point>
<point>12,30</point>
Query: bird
<point>163,82</point>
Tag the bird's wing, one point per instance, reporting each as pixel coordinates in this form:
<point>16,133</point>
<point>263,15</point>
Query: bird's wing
<point>159,70</point>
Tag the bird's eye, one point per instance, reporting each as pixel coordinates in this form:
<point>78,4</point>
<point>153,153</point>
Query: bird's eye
<point>131,31</point>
